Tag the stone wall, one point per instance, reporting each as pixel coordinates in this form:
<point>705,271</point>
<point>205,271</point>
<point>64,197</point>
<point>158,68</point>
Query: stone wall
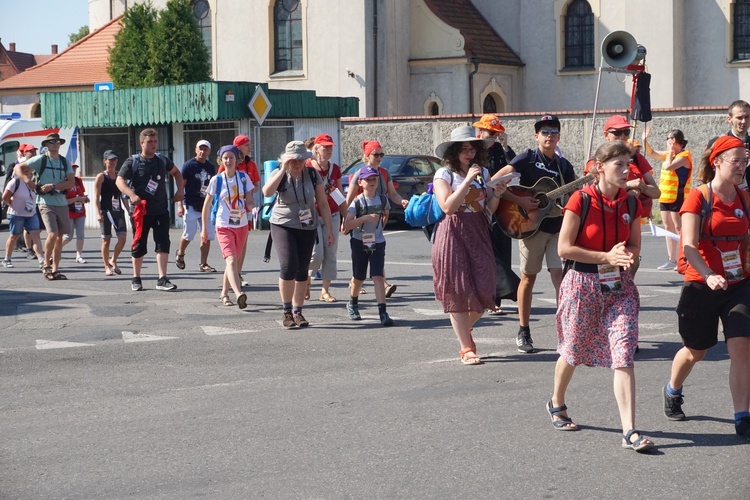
<point>420,135</point>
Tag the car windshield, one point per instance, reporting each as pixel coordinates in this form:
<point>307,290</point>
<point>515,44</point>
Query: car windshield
<point>390,163</point>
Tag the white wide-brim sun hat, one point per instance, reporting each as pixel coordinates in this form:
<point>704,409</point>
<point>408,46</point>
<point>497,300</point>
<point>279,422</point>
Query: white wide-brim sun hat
<point>460,134</point>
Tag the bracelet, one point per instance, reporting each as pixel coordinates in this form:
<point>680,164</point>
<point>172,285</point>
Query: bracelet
<point>709,274</point>
<point>494,195</point>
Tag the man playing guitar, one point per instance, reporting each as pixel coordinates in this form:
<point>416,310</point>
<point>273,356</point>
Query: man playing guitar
<point>534,165</point>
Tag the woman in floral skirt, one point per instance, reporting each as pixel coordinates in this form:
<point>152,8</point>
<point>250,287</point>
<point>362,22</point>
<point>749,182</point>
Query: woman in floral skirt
<point>597,316</point>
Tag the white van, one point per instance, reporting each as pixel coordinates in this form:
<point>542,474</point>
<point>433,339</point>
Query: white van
<point>15,131</point>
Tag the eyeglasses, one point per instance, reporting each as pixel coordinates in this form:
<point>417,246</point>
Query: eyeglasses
<point>377,155</point>
<point>620,133</point>
<point>549,132</point>
<point>53,141</point>
<point>468,149</point>
<point>735,161</point>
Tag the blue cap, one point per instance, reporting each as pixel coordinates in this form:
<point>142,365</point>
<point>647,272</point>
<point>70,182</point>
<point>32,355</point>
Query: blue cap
<point>231,149</point>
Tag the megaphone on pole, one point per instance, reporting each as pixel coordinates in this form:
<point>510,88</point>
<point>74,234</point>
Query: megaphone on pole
<point>619,49</point>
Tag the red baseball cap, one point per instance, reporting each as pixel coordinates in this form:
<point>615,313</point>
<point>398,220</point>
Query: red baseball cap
<point>324,140</point>
<point>240,140</point>
<point>617,122</point>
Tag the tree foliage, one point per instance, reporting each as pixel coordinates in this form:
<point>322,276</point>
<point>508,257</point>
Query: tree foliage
<point>74,37</point>
<point>159,48</point>
<point>130,52</point>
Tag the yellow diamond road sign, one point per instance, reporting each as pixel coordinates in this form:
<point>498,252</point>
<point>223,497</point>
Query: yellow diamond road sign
<point>259,105</point>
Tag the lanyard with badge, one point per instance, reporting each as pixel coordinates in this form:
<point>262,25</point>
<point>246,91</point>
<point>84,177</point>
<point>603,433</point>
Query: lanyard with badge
<point>368,239</point>
<point>609,275</point>
<point>731,260</point>
<point>235,214</point>
<point>30,204</point>
<point>153,182</point>
<point>305,216</point>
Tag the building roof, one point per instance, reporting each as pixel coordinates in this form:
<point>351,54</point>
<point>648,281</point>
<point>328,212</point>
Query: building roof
<point>185,103</point>
<point>481,40</point>
<point>80,65</point>
<point>21,60</point>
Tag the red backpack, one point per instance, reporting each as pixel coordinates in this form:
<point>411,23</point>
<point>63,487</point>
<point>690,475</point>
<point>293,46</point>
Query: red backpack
<point>707,203</point>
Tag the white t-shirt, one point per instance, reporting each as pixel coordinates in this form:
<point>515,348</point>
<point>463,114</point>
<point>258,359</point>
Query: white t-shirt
<point>23,201</point>
<point>231,198</point>
<point>476,195</point>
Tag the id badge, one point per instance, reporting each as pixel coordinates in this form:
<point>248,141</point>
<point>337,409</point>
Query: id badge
<point>235,217</point>
<point>30,205</point>
<point>305,217</point>
<point>732,266</point>
<point>368,241</point>
<point>609,278</point>
<point>151,186</point>
<point>204,190</point>
<point>78,206</point>
<point>116,203</point>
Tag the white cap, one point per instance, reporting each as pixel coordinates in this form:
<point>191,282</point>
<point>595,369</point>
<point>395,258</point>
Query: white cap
<point>203,142</point>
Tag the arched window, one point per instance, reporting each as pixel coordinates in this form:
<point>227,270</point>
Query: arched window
<point>489,105</point>
<point>202,13</point>
<point>36,110</point>
<point>434,109</point>
<point>741,34</point>
<point>287,35</point>
<point>579,35</point>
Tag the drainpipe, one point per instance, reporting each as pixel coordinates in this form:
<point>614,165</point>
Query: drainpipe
<point>475,62</point>
<point>375,55</point>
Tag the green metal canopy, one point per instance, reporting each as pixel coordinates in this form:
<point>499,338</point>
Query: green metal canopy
<point>192,102</point>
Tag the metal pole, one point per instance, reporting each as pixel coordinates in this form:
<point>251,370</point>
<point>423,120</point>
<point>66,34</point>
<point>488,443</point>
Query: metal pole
<point>593,116</point>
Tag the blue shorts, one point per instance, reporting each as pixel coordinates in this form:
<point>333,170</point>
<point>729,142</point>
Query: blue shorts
<point>18,223</point>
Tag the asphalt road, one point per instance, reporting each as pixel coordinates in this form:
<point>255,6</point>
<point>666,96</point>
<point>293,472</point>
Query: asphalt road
<point>109,393</point>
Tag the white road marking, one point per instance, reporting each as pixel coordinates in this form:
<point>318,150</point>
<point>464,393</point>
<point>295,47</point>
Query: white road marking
<point>654,326</point>
<point>58,344</point>
<point>430,312</point>
<point>551,301</point>
<point>674,291</point>
<point>142,337</point>
<point>390,233</point>
<point>220,330</point>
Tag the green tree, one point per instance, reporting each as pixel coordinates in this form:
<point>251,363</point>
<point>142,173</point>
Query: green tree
<point>129,56</point>
<point>74,37</point>
<point>178,55</point>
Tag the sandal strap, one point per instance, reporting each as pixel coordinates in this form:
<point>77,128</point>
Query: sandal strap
<point>556,409</point>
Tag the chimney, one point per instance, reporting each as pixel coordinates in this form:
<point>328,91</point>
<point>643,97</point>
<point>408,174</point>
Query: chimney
<point>12,47</point>
<point>54,48</point>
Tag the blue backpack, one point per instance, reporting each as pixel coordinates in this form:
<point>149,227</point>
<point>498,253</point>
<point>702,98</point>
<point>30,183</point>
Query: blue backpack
<point>424,209</point>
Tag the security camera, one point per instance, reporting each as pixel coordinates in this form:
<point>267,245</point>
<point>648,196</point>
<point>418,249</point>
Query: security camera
<point>349,73</point>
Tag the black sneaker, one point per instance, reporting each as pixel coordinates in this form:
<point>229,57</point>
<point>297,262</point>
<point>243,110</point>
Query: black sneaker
<point>165,285</point>
<point>353,311</point>
<point>524,342</point>
<point>288,320</point>
<point>743,428</point>
<point>300,320</point>
<point>385,320</point>
<point>136,286</point>
<point>672,406</point>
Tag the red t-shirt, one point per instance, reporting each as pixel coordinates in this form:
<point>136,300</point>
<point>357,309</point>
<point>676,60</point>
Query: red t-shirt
<point>616,226</point>
<point>249,167</point>
<point>639,166</point>
<point>330,182</point>
<point>724,220</point>
<point>79,210</point>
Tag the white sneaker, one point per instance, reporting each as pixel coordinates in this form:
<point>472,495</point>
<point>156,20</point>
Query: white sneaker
<point>667,266</point>
<point>7,263</point>
<point>80,260</point>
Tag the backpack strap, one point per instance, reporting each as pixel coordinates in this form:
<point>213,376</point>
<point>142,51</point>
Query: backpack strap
<point>632,207</point>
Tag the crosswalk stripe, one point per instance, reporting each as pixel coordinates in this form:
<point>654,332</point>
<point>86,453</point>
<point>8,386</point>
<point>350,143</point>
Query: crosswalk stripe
<point>58,344</point>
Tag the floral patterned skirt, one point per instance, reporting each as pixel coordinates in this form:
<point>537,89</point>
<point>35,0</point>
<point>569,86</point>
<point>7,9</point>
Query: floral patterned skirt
<point>463,264</point>
<point>595,328</point>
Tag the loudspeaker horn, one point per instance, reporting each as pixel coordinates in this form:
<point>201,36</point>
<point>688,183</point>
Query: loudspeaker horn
<point>619,49</point>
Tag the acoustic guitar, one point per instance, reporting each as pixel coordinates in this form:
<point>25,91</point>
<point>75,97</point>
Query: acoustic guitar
<point>517,222</point>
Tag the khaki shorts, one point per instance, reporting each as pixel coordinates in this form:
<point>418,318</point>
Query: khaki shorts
<point>534,249</point>
<point>56,219</point>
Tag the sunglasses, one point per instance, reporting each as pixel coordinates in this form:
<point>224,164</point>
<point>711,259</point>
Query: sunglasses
<point>53,141</point>
<point>377,155</point>
<point>549,132</point>
<point>619,133</point>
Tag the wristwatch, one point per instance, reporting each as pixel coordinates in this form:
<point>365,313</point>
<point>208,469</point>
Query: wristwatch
<point>710,273</point>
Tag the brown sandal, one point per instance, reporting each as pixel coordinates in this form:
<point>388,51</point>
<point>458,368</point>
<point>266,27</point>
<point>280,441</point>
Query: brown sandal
<point>327,297</point>
<point>226,300</point>
<point>469,357</point>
